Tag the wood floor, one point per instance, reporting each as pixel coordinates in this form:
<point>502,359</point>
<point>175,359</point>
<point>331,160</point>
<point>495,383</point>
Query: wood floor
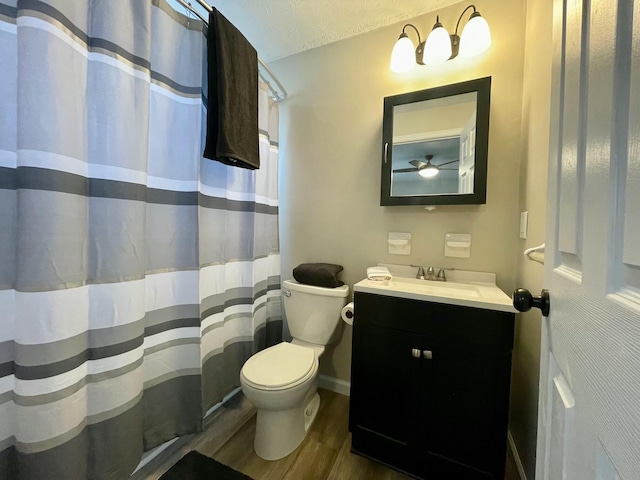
<point>324,454</point>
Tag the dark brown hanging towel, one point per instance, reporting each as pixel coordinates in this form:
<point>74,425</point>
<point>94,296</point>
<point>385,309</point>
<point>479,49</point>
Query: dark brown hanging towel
<point>232,110</point>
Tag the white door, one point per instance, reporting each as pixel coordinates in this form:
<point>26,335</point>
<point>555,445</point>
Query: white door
<point>466,169</point>
<point>589,417</point>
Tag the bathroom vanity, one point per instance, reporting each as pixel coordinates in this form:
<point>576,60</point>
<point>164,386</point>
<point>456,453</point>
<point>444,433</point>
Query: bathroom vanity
<point>430,377</point>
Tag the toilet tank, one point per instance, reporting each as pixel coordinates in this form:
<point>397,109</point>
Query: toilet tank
<point>313,313</point>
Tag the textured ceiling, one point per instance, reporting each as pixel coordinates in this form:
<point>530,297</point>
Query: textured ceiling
<point>279,28</point>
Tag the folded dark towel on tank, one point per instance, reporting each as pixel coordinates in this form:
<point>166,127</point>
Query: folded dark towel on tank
<point>232,103</point>
<point>318,274</point>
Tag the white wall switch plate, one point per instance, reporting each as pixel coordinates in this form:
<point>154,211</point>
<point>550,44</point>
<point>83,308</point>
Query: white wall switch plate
<point>524,220</point>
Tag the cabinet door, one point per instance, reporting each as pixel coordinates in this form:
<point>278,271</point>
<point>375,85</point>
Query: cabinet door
<point>383,386</point>
<point>467,389</point>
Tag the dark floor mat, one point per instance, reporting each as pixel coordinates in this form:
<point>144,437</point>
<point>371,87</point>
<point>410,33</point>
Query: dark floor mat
<point>195,466</point>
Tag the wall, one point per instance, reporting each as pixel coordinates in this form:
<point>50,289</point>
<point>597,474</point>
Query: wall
<point>412,184</point>
<point>330,172</point>
<point>442,116</point>
<point>330,156</point>
<point>533,189</point>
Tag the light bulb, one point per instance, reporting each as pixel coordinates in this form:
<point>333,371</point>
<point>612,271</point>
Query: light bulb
<point>476,36</point>
<point>428,171</point>
<point>403,56</point>
<point>437,49</point>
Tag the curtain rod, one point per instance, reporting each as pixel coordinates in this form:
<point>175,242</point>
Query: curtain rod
<point>280,93</point>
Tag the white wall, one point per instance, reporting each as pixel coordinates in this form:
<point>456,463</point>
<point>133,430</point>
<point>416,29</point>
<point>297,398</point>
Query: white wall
<point>331,153</point>
<point>523,417</point>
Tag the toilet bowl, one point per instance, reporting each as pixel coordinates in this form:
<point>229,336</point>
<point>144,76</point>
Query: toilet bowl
<point>282,380</point>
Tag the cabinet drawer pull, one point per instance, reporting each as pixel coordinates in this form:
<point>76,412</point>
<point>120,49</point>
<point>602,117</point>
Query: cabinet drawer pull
<point>415,352</point>
<point>427,354</point>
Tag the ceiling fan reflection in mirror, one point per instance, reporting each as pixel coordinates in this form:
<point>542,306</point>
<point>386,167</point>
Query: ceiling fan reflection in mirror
<point>427,169</point>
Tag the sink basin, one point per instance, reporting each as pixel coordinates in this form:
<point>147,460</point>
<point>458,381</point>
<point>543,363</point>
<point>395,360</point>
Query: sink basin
<point>474,294</point>
<point>428,287</point>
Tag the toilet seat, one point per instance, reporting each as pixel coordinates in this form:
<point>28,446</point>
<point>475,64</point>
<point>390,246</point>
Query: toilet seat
<point>280,367</point>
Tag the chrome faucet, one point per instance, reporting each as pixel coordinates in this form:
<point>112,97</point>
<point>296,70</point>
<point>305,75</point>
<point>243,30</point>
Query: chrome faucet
<point>442,277</point>
<point>431,273</point>
<point>420,274</point>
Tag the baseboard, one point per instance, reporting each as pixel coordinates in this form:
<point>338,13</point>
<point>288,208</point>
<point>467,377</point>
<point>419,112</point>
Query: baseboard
<point>516,456</point>
<point>334,384</point>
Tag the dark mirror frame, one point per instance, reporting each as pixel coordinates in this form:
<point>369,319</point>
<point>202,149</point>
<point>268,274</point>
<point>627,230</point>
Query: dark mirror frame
<point>482,87</point>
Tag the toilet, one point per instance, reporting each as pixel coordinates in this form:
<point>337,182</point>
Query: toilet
<point>282,381</point>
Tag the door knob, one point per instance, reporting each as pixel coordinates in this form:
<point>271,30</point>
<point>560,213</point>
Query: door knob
<point>523,301</point>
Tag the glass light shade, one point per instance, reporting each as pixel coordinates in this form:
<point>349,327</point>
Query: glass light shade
<point>429,171</point>
<point>403,56</point>
<point>475,38</point>
<point>437,49</point>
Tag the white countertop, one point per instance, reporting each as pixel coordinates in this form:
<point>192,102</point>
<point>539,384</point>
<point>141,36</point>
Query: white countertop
<point>476,290</point>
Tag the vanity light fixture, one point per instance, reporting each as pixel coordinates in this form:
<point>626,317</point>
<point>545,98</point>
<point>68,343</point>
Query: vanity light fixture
<point>439,45</point>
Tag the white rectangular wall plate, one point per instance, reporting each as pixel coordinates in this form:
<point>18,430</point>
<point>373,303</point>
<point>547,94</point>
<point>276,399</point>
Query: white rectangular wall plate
<point>399,243</point>
<point>457,245</point>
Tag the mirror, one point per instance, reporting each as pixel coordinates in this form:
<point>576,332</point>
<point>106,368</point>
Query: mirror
<point>434,145</point>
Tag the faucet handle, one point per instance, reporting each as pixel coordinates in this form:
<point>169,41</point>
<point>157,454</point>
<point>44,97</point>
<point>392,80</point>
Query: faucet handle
<point>420,274</point>
<point>441,275</point>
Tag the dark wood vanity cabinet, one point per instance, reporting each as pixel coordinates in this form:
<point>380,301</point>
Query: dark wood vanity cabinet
<point>430,387</point>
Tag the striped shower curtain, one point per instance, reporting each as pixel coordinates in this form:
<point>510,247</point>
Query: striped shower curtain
<point>136,277</point>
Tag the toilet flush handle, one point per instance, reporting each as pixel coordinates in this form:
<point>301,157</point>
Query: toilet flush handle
<point>286,293</point>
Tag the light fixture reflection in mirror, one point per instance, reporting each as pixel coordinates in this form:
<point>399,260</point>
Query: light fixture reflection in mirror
<point>429,172</point>
<point>440,46</point>
<point>415,172</point>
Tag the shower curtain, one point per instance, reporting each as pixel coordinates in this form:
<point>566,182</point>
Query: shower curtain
<point>136,277</point>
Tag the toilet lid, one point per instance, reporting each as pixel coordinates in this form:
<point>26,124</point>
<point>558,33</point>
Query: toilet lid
<point>279,365</point>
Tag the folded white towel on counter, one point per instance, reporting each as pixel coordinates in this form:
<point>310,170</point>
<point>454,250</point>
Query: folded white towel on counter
<point>378,273</point>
